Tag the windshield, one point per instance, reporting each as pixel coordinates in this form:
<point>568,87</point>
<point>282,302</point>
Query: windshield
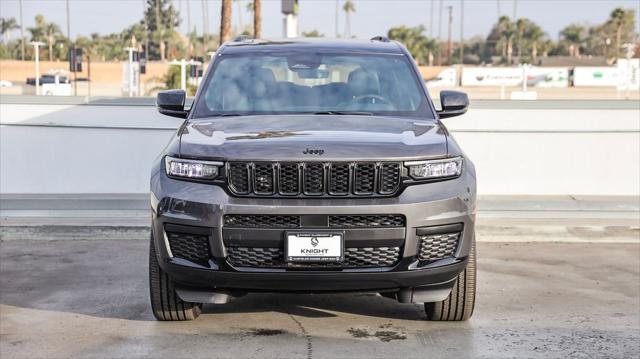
<point>255,83</point>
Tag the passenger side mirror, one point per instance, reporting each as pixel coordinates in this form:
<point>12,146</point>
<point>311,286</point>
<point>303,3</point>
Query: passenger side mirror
<point>171,103</point>
<point>454,103</point>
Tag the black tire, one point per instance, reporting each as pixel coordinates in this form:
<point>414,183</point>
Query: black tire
<point>165,302</point>
<point>460,303</point>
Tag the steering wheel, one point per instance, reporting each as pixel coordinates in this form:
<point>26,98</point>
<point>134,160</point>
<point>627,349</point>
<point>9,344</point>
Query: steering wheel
<point>374,99</point>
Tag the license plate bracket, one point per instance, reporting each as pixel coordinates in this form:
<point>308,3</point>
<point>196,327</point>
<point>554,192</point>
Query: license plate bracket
<point>306,247</point>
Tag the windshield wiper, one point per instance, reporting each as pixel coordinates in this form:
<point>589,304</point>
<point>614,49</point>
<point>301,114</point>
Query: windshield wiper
<point>359,113</point>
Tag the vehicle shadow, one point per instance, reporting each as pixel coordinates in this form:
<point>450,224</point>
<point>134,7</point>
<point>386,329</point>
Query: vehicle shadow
<point>320,305</point>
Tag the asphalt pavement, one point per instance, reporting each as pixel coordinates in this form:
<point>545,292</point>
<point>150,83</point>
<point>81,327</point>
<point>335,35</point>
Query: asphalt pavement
<point>89,299</point>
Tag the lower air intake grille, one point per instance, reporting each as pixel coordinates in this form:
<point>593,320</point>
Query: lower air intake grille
<point>254,257</point>
<point>192,247</point>
<point>437,246</point>
<point>366,221</point>
<point>261,221</point>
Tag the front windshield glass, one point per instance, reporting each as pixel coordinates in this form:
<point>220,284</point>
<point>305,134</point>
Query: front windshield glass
<point>256,83</point>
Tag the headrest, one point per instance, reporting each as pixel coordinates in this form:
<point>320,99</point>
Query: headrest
<point>363,82</point>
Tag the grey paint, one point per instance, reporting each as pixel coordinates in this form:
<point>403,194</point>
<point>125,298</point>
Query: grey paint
<point>335,138</point>
<point>341,138</point>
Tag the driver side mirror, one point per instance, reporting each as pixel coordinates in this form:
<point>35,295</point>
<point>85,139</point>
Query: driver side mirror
<point>454,103</point>
<point>171,103</point>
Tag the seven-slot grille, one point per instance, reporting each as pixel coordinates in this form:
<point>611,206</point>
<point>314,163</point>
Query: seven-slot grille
<point>313,178</point>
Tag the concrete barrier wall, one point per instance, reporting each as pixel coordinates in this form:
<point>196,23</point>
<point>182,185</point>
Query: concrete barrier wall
<point>519,148</point>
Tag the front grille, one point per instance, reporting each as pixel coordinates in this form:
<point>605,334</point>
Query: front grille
<point>261,221</point>
<point>192,247</point>
<point>255,257</point>
<point>437,246</point>
<point>314,178</point>
<point>366,221</point>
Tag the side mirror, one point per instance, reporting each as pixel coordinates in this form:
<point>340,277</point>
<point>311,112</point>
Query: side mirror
<point>454,103</point>
<point>171,103</point>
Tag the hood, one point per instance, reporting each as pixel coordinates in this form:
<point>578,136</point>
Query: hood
<point>312,137</point>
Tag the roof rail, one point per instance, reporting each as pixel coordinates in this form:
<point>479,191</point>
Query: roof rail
<point>380,38</point>
<point>242,38</point>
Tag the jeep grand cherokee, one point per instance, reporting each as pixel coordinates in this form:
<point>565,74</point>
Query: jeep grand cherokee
<point>312,166</point>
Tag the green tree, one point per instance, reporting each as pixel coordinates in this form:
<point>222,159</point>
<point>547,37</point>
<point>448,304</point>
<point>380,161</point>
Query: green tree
<point>574,36</point>
<point>312,33</point>
<point>38,32</point>
<point>162,19</point>
<point>6,26</point>
<point>521,26</point>
<point>507,31</point>
<point>419,45</point>
<point>623,21</point>
<point>534,35</point>
<point>51,30</point>
<point>348,8</point>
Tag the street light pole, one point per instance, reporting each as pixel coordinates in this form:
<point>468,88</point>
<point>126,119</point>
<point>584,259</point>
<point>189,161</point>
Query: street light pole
<point>130,50</point>
<point>461,32</point>
<point>450,8</point>
<point>36,47</point>
<point>21,33</point>
<point>440,34</point>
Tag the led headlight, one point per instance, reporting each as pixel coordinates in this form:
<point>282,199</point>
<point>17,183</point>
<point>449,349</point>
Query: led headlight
<point>191,168</point>
<point>446,167</point>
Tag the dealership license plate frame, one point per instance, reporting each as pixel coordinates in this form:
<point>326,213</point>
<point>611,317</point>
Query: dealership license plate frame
<point>300,235</point>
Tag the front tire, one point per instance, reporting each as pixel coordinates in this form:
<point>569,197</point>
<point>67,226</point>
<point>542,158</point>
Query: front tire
<point>165,302</point>
<point>460,303</point>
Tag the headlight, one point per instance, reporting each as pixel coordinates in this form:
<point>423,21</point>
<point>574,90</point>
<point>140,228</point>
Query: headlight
<point>191,168</point>
<point>447,167</point>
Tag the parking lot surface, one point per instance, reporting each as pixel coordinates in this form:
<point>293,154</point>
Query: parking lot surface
<point>89,298</point>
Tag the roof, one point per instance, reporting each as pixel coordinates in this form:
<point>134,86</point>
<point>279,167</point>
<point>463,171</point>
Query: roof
<point>318,44</point>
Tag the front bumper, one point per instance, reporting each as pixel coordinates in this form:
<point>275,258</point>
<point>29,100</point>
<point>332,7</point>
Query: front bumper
<point>199,205</point>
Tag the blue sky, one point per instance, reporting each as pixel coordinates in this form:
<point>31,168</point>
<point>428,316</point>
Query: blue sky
<point>372,17</point>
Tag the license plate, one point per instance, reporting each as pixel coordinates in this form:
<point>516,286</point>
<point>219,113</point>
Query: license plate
<point>314,247</point>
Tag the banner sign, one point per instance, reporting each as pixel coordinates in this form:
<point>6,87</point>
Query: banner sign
<point>491,76</point>
<point>445,78</point>
<point>596,76</point>
<point>512,76</point>
<point>548,77</point>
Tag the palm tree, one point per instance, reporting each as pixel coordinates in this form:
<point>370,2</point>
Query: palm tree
<point>348,8</point>
<point>620,19</point>
<point>507,31</point>
<point>574,35</point>
<point>38,32</point>
<point>521,25</point>
<point>534,34</point>
<point>51,29</point>
<point>6,26</point>
<point>225,21</point>
<point>257,19</point>
<point>413,38</point>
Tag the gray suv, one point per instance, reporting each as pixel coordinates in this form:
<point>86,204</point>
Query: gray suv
<point>312,166</point>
